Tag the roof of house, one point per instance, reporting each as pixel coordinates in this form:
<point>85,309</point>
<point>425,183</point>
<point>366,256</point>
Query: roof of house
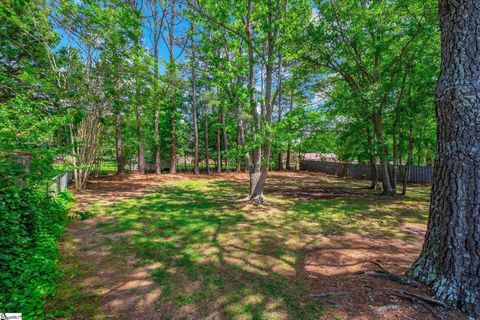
<point>319,156</point>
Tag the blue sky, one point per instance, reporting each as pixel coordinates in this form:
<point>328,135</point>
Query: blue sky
<point>67,41</point>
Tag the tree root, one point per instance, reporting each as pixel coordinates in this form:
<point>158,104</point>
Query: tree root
<point>413,297</point>
<point>329,294</point>
<point>384,274</point>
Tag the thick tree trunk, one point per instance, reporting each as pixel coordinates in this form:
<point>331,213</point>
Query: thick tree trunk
<point>140,155</point>
<point>450,260</point>
<point>119,144</point>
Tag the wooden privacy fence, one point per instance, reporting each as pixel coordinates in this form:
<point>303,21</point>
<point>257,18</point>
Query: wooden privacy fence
<point>417,174</point>
<point>58,183</point>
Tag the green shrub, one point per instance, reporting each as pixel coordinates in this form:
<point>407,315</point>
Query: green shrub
<point>30,225</point>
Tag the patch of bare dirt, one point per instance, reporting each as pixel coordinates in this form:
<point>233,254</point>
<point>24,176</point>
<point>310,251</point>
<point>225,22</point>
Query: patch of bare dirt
<point>121,290</point>
<point>345,264</point>
<point>109,189</point>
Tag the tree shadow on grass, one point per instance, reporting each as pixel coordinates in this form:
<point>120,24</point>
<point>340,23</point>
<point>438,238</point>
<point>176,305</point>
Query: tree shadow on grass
<point>212,259</point>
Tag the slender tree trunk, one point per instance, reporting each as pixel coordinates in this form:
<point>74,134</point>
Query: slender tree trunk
<point>373,171</point>
<point>373,162</point>
<point>196,166</point>
<point>280,110</point>
<point>386,183</point>
<point>394,170</point>
<point>207,156</point>
<point>225,138</point>
<point>406,171</point>
<point>156,129</point>
<point>173,150</point>
<point>74,157</point>
<point>119,145</point>
<point>255,165</point>
<point>158,158</point>
<point>239,148</point>
<point>289,145</point>
<point>450,260</point>
<point>219,145</point>
<point>398,114</point>
<point>140,155</point>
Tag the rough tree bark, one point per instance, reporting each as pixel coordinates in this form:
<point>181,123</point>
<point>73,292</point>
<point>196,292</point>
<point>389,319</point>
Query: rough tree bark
<point>450,260</point>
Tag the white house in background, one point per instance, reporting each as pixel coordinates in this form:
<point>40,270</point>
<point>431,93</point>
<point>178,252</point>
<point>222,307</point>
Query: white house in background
<point>329,157</point>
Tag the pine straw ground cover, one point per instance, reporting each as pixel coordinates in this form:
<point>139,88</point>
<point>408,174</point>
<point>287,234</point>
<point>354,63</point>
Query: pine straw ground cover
<point>185,247</point>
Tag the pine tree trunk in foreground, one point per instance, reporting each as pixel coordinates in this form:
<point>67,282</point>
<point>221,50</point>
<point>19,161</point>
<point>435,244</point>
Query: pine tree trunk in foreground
<point>450,260</point>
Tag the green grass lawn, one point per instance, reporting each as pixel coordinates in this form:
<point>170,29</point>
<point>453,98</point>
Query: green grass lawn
<point>214,253</point>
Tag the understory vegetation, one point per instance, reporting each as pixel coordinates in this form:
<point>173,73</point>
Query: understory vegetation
<point>31,224</point>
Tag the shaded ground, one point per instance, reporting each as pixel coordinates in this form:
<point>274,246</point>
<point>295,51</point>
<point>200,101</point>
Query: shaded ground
<point>185,247</point>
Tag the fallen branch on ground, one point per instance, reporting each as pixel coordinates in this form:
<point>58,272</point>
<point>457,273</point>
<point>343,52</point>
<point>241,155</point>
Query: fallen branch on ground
<point>414,296</point>
<point>330,293</point>
<point>378,264</point>
<point>384,274</point>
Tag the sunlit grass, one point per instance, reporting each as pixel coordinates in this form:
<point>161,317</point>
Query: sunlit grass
<point>212,252</point>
